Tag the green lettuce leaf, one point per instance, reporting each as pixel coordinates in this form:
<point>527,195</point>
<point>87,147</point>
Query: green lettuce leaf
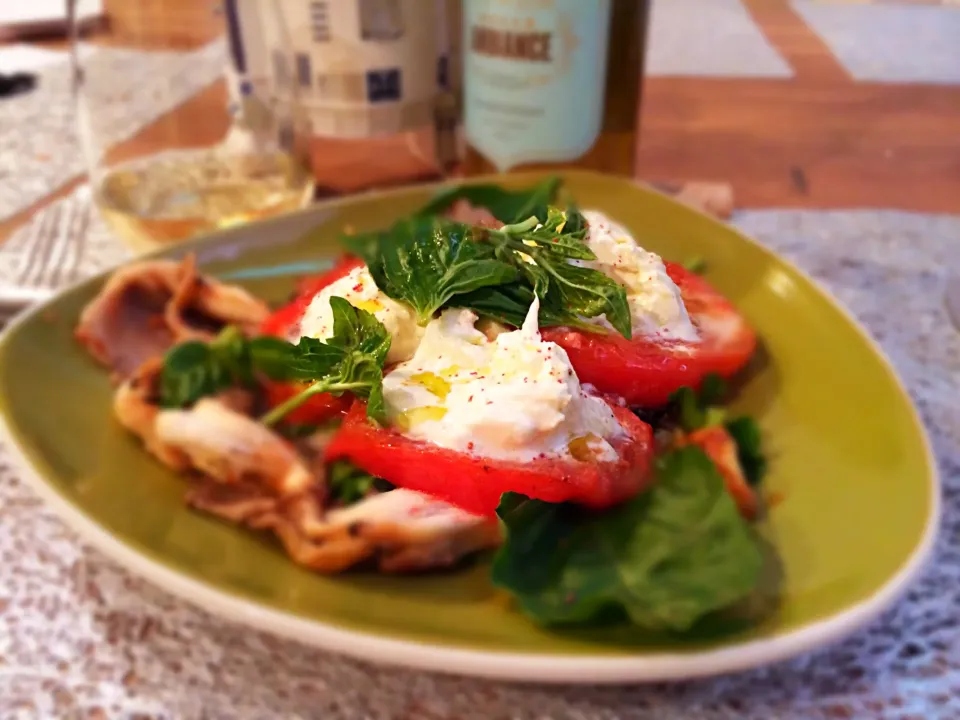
<point>667,558</point>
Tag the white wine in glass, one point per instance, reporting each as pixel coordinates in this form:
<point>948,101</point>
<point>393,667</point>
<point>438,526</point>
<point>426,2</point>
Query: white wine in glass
<point>174,195</point>
<point>231,152</point>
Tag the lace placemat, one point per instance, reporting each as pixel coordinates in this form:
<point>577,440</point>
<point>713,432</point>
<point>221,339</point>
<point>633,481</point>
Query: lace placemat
<point>39,150</point>
<point>79,637</point>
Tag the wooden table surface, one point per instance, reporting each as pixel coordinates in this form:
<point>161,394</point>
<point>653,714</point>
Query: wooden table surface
<point>819,139</point>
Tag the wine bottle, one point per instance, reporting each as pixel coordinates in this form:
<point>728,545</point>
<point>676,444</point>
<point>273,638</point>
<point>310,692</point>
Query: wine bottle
<point>373,77</point>
<point>552,83</point>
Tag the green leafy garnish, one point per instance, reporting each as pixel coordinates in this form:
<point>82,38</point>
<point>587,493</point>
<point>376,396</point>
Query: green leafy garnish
<point>351,360</point>
<point>431,263</point>
<point>746,433</point>
<point>692,411</point>
<point>509,304</point>
<point>505,205</point>
<point>195,369</point>
<point>696,265</point>
<point>667,558</point>
<point>567,292</point>
<point>695,410</point>
<point>347,483</point>
<point>426,262</point>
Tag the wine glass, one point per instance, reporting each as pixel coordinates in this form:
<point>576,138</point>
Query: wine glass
<point>178,138</point>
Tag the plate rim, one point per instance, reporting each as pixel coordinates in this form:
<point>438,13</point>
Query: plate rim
<point>508,666</point>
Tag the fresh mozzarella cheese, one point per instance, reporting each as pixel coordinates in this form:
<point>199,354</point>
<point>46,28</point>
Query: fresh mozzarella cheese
<point>656,308</point>
<point>360,290</point>
<point>514,397</point>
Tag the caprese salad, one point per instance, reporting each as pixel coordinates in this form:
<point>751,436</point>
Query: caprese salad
<point>501,370</point>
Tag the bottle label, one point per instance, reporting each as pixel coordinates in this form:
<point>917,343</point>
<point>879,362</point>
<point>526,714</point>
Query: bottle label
<point>360,68</point>
<point>534,75</point>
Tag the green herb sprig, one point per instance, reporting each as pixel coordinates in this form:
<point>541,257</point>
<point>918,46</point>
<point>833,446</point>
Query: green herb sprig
<point>351,360</point>
<point>426,262</point>
<point>692,410</point>
<point>431,262</point>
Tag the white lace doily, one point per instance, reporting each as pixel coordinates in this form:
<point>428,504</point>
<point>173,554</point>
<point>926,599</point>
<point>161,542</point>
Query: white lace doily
<point>39,151</point>
<point>79,637</point>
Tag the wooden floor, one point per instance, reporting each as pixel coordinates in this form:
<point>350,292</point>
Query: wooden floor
<point>819,139</point>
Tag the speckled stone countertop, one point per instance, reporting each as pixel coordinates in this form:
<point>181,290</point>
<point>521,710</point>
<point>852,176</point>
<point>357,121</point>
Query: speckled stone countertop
<point>79,637</point>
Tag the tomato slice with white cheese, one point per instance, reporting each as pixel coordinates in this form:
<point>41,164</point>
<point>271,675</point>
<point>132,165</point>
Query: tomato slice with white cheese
<point>283,323</point>
<point>645,369</point>
<point>475,483</point>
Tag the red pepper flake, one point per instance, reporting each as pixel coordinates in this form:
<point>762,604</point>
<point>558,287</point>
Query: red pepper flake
<point>358,287</point>
<point>470,399</point>
<point>469,446</point>
<point>489,402</point>
<point>526,379</point>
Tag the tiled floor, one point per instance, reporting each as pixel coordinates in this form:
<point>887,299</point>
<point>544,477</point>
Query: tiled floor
<point>889,41</point>
<point>869,124</point>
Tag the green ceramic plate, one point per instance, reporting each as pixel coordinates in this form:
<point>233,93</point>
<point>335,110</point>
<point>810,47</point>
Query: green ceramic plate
<point>849,459</point>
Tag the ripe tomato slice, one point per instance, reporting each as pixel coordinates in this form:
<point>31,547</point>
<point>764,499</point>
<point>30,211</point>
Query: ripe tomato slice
<point>645,371</point>
<point>475,484</point>
<point>318,408</point>
<point>283,319</point>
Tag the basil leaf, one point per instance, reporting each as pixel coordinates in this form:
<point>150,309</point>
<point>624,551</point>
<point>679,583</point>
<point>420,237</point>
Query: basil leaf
<point>687,409</point>
<point>746,433</point>
<point>428,262</point>
<point>505,205</point>
<point>667,558</point>
<point>713,389</point>
<point>188,374</point>
<point>356,331</point>
<point>694,410</point>
<point>562,234</point>
<point>568,292</point>
<point>509,304</point>
<point>195,369</point>
<point>584,292</point>
<point>347,483</point>
<point>282,361</point>
<point>351,360</point>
